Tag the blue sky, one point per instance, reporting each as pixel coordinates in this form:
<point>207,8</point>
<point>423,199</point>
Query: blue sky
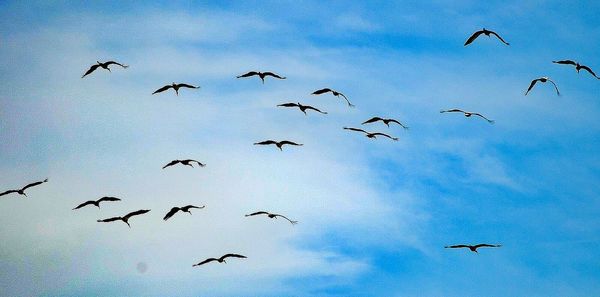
<point>374,215</point>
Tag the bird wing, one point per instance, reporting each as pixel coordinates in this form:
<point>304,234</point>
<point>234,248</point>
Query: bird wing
<point>372,120</point>
<point>171,212</point>
<point>205,261</point>
<point>322,91</point>
<point>588,69</point>
<point>171,163</point>
<point>487,245</point>
<point>266,142</point>
<point>481,116</point>
<point>257,213</point>
<point>356,129</point>
<point>187,207</point>
<point>135,213</point>
<point>315,109</point>
<point>293,222</point>
<point>288,105</point>
<point>473,37</point>
<point>251,73</point>
<point>346,98</point>
<point>496,34</point>
<point>565,62</point>
<point>383,134</point>
<point>92,69</point>
<point>456,246</point>
<point>109,199</point>
<point>452,110</point>
<point>533,82</point>
<point>110,220</point>
<point>34,184</point>
<point>116,63</point>
<point>232,255</point>
<point>84,204</point>
<point>198,162</point>
<point>162,89</point>
<point>555,87</point>
<point>8,192</point>
<point>273,75</point>
<point>187,86</point>
<point>289,142</point>
<point>397,122</point>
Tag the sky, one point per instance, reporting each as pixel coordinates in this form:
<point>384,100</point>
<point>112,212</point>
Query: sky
<point>374,215</point>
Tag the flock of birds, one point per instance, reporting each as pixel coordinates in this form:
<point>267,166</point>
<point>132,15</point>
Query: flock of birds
<point>279,144</point>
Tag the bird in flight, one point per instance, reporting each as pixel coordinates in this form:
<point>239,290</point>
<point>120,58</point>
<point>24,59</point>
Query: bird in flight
<point>220,260</point>
<point>278,144</point>
<point>468,114</point>
<point>187,209</point>
<point>371,135</point>
<point>22,191</point>
<point>102,65</point>
<point>487,33</point>
<point>187,162</point>
<point>262,75</point>
<point>126,217</point>
<point>542,79</point>
<point>577,66</point>
<point>473,248</point>
<point>272,216</point>
<point>96,202</point>
<point>335,93</point>
<point>302,108</point>
<point>385,121</point>
<point>175,87</point>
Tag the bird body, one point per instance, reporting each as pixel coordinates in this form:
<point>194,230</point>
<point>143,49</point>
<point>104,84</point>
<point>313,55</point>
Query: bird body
<point>335,93</point>
<point>279,144</point>
<point>187,209</point>
<point>385,121</point>
<point>468,114</point>
<point>125,218</point>
<point>486,33</point>
<point>102,65</point>
<point>302,108</point>
<point>22,190</point>
<point>473,248</point>
<point>262,75</point>
<point>271,215</point>
<point>220,260</point>
<point>96,202</point>
<point>186,162</point>
<point>175,87</point>
<point>577,66</point>
<point>542,79</point>
<point>372,135</point>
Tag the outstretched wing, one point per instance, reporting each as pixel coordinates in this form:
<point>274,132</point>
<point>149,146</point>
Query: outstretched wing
<point>322,91</point>
<point>188,207</point>
<point>33,184</point>
<point>452,110</point>
<point>315,109</point>
<point>251,73</point>
<point>205,261</point>
<point>109,199</point>
<point>346,98</point>
<point>288,105</point>
<point>197,162</point>
<point>383,134</point>
<point>116,63</point>
<point>293,222</point>
<point>565,62</point>
<point>266,142</point>
<point>457,246</point>
<point>232,255</point>
<point>588,69</point>
<point>257,213</point>
<point>110,220</point>
<point>487,245</point>
<point>397,122</point>
<point>84,204</point>
<point>533,82</point>
<point>496,34</point>
<point>187,86</point>
<point>481,116</point>
<point>171,163</point>
<point>372,120</point>
<point>135,213</point>
<point>290,143</point>
<point>171,212</point>
<point>92,69</point>
<point>473,37</point>
<point>555,87</point>
<point>162,89</point>
<point>356,129</point>
<point>8,192</point>
<point>273,75</point>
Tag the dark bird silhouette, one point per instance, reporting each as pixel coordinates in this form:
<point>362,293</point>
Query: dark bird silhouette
<point>385,121</point>
<point>577,66</point>
<point>96,202</point>
<point>473,248</point>
<point>468,114</point>
<point>102,65</point>
<point>302,108</point>
<point>272,216</point>
<point>335,93</point>
<point>278,144</point>
<point>370,134</point>
<point>187,162</point>
<point>542,79</point>
<point>220,260</point>
<point>22,191</point>
<point>175,87</point>
<point>262,75</point>
<point>187,209</point>
<point>126,217</point>
<point>485,32</point>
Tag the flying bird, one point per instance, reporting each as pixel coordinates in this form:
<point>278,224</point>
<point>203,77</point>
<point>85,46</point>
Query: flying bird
<point>278,144</point>
<point>487,33</point>
<point>187,162</point>
<point>385,121</point>
<point>175,87</point>
<point>22,191</point>
<point>542,79</point>
<point>96,202</point>
<point>468,114</point>
<point>335,93</point>
<point>220,260</point>
<point>473,248</point>
<point>371,135</point>
<point>262,75</point>
<point>577,66</point>
<point>302,108</point>
<point>102,65</point>
<point>174,210</point>
<point>126,217</point>
<point>272,216</point>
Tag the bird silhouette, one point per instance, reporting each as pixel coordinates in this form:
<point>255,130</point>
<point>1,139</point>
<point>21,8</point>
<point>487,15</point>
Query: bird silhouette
<point>370,134</point>
<point>262,75</point>
<point>272,216</point>
<point>187,162</point>
<point>96,202</point>
<point>468,114</point>
<point>485,32</point>
<point>175,87</point>
<point>126,217</point>
<point>335,93</point>
<point>220,260</point>
<point>385,121</point>
<point>187,209</point>
<point>278,144</point>
<point>473,248</point>
<point>577,66</point>
<point>102,65</point>
<point>302,108</point>
<point>542,79</point>
<point>22,191</point>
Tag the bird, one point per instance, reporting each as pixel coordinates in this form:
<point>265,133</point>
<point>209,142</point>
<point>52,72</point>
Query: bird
<point>96,202</point>
<point>335,93</point>
<point>102,65</point>
<point>473,248</point>
<point>220,260</point>
<point>278,144</point>
<point>468,114</point>
<point>187,162</point>
<point>175,87</point>
<point>125,218</point>
<point>187,209</point>
<point>385,121</point>
<point>22,191</point>
<point>272,216</point>
<point>302,108</point>
<point>542,79</point>
<point>487,33</point>
<point>262,75</point>
<point>577,66</point>
<point>370,134</point>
